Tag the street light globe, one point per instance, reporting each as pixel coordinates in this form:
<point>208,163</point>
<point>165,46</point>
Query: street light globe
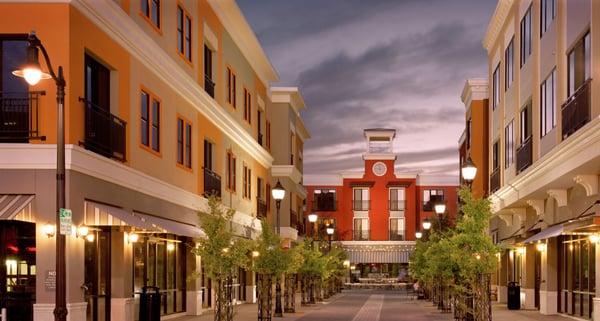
<point>418,235</point>
<point>312,217</point>
<point>330,230</point>
<point>31,71</point>
<point>426,224</point>
<point>468,170</point>
<point>278,192</point>
<point>440,208</point>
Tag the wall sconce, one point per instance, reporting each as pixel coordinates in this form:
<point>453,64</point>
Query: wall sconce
<point>541,247</point>
<point>90,237</point>
<point>521,250</point>
<point>49,230</point>
<point>594,238</point>
<point>83,231</point>
<point>133,237</point>
<point>170,247</point>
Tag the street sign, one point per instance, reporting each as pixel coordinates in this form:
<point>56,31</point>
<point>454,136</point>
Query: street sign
<point>66,221</point>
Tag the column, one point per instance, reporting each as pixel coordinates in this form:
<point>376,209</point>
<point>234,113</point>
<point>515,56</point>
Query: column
<point>528,277</point>
<point>121,301</point>
<point>250,287</point>
<point>596,309</point>
<point>549,278</point>
<point>194,286</point>
<point>503,276</point>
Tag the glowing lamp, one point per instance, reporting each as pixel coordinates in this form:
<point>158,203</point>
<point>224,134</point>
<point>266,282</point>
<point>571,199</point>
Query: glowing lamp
<point>468,170</point>
<point>49,230</point>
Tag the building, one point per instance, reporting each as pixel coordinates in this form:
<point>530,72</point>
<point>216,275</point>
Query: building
<point>377,211</point>
<point>544,151</point>
<point>166,102</point>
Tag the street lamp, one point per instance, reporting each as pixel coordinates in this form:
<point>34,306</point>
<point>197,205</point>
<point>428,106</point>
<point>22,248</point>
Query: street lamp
<point>32,72</point>
<point>312,218</point>
<point>278,193</point>
<point>468,171</point>
<point>426,224</point>
<point>418,235</point>
<point>440,209</point>
<point>330,230</point>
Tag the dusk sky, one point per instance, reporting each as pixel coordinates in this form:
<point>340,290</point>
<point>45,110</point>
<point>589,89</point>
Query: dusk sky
<point>379,63</point>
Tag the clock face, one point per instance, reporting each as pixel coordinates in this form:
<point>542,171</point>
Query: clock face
<point>379,169</point>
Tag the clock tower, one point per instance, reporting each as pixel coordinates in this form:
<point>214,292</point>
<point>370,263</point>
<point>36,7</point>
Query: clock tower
<point>379,157</point>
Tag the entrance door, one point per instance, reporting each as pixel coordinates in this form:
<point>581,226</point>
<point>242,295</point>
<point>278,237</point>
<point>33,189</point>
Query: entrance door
<point>97,276</point>
<point>538,277</point>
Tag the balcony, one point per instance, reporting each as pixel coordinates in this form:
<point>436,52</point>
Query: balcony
<point>361,205</point>
<point>495,180</point>
<point>576,110</point>
<point>396,205</point>
<point>396,235</point>
<point>261,208</point>
<point>19,116</point>
<point>209,86</point>
<point>524,155</point>
<point>104,132</point>
<point>212,183</point>
<point>324,205</point>
<point>360,235</point>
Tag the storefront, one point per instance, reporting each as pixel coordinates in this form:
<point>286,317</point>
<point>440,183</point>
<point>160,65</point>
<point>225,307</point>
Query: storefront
<point>577,275</point>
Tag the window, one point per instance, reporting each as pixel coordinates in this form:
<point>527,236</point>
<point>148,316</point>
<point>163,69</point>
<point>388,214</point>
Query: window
<point>525,122</point>
<point>397,229</point>
<point>361,229</point>
<point>268,130</point>
<point>292,148</point>
<point>509,69</point>
<point>150,121</point>
<point>208,154</point>
<point>231,171</point>
<point>548,104</point>
<point>184,143</point>
<point>495,156</point>
<point>526,37</point>
<point>509,145</point>
<point>247,106</point>
<point>259,126</point>
<point>431,195</point>
<point>231,88</point>
<point>151,11</point>
<point>360,199</point>
<point>97,84</point>
<point>259,188</point>
<point>324,200</point>
<point>184,33</point>
<point>247,182</point>
<point>547,14</point>
<point>468,129</point>
<point>579,64</point>
<point>397,199</point>
<point>496,85</point>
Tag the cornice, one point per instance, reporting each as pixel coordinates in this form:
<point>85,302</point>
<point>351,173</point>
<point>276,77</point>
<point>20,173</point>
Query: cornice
<point>109,17</point>
<point>286,171</point>
<point>474,89</point>
<point>372,156</point>
<point>496,22</point>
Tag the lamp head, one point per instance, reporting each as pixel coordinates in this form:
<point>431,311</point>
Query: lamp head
<point>330,230</point>
<point>278,192</point>
<point>468,170</point>
<point>312,217</point>
<point>31,70</point>
<point>440,207</point>
<point>418,235</point>
<point>426,224</point>
<point>49,230</point>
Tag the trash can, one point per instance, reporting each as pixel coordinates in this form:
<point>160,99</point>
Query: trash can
<point>514,296</point>
<point>150,304</point>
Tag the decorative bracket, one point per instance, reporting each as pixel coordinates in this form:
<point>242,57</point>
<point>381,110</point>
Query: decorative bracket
<point>538,206</point>
<point>560,195</point>
<point>520,213</point>
<point>506,217</point>
<point>509,215</point>
<point>589,182</point>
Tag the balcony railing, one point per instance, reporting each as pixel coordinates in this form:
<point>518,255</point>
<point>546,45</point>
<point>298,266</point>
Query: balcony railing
<point>576,110</point>
<point>360,235</point>
<point>324,205</point>
<point>396,235</point>
<point>104,132</point>
<point>209,86</point>
<point>261,208</point>
<point>212,183</point>
<point>495,180</point>
<point>396,205</point>
<point>524,155</point>
<point>19,116</point>
<point>361,205</point>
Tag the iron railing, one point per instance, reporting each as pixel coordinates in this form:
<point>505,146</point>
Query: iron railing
<point>209,86</point>
<point>360,235</point>
<point>19,116</point>
<point>324,204</point>
<point>105,133</point>
<point>212,183</point>
<point>396,205</point>
<point>495,180</point>
<point>361,205</point>
<point>261,208</point>
<point>576,110</point>
<point>524,155</point>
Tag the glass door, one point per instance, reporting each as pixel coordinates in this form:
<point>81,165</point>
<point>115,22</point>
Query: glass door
<point>97,276</point>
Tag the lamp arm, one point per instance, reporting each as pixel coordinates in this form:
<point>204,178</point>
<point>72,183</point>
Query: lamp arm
<point>35,41</point>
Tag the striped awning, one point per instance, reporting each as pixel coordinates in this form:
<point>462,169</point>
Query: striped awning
<point>370,253</point>
<point>12,205</point>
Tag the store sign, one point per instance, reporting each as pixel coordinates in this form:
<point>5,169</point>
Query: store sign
<point>66,221</point>
<point>50,280</point>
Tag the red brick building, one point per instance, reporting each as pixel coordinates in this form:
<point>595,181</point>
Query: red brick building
<point>376,212</point>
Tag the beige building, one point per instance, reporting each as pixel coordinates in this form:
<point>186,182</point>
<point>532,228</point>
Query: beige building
<point>167,102</point>
<point>544,151</point>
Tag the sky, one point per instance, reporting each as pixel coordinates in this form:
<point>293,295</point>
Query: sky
<point>360,64</point>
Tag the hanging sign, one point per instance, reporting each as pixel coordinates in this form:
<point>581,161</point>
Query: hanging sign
<point>66,221</point>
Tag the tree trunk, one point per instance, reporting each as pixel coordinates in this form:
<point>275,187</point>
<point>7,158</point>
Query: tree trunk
<point>264,297</point>
<point>290,294</point>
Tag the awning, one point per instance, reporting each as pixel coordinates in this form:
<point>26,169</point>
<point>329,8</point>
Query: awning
<point>171,226</point>
<point>378,256</point>
<point>12,204</point>
<point>550,232</point>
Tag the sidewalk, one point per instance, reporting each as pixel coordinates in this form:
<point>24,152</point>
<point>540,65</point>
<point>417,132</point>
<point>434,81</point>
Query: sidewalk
<point>249,311</point>
<point>501,313</point>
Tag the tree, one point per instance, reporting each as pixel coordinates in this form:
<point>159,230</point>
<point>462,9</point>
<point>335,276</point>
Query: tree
<point>221,254</point>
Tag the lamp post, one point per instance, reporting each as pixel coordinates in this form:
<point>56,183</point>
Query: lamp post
<point>440,209</point>
<point>312,218</point>
<point>32,72</point>
<point>278,193</point>
<point>330,230</point>
<point>468,171</point>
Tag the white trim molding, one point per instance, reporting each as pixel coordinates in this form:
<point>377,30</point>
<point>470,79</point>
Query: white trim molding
<point>496,23</point>
<point>474,89</point>
<point>287,171</point>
